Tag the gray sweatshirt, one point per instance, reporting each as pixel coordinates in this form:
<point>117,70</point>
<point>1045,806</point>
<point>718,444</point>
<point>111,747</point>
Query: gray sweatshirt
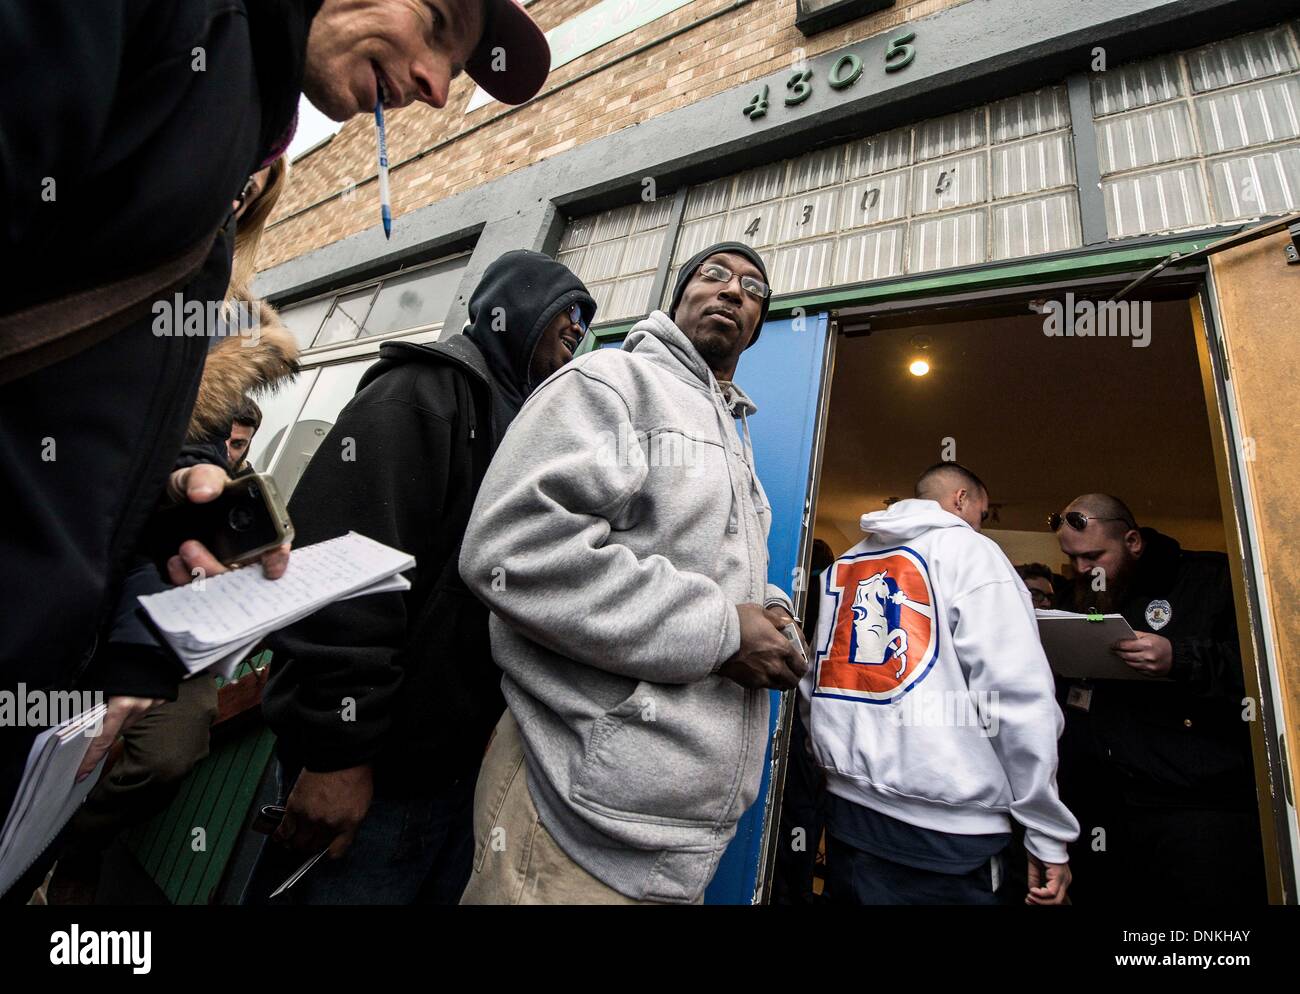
<point>618,527</point>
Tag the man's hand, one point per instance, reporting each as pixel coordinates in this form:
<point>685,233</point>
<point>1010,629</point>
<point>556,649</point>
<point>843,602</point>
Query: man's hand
<point>326,809</point>
<point>122,713</point>
<point>1048,882</point>
<point>766,658</point>
<point>1147,653</point>
<point>200,484</point>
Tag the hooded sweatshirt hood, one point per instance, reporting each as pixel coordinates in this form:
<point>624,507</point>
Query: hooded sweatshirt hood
<point>513,303</point>
<point>905,520</point>
<point>739,248</point>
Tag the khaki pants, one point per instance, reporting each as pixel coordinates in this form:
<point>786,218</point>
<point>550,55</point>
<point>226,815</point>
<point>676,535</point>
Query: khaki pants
<point>159,751</point>
<point>515,859</point>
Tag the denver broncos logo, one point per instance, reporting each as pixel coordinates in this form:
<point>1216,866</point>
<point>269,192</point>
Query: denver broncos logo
<point>883,639</point>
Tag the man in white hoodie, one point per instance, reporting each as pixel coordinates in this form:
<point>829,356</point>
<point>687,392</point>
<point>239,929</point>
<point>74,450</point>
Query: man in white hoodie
<point>931,706</point>
<point>620,540</point>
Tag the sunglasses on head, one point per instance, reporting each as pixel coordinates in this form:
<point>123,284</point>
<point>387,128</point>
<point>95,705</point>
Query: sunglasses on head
<point>1077,520</point>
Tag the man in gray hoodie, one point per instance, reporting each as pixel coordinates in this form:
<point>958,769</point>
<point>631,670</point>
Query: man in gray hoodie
<point>620,540</point>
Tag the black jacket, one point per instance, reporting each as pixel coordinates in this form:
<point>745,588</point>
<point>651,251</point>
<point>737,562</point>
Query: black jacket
<point>142,119</point>
<point>414,669</point>
<point>1184,741</point>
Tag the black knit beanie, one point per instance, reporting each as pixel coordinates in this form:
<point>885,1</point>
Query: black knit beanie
<point>697,260</point>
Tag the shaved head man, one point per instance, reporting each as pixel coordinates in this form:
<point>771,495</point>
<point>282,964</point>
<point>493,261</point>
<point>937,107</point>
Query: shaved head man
<point>957,490</point>
<point>925,610</point>
<point>1161,761</point>
<point>1109,540</point>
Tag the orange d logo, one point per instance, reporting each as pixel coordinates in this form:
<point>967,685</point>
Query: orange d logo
<point>883,639</point>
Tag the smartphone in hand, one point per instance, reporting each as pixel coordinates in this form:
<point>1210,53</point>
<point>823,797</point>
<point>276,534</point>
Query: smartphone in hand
<point>248,519</point>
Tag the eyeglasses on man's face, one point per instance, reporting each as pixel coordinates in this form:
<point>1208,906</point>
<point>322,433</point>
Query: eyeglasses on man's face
<point>1041,598</point>
<point>716,273</point>
<point>575,316</point>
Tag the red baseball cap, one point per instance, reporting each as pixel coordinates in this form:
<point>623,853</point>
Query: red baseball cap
<point>526,55</point>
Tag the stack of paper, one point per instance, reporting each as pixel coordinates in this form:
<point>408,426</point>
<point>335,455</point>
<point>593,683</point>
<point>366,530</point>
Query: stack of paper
<point>213,624</point>
<point>1079,646</point>
<point>48,794</point>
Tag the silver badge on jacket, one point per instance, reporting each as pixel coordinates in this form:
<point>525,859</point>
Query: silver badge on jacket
<point>1158,614</point>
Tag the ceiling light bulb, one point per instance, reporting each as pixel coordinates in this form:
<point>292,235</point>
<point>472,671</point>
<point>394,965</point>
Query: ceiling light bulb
<point>919,367</point>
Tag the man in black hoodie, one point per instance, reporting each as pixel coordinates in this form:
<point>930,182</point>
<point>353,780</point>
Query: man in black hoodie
<point>1159,769</point>
<point>386,702</point>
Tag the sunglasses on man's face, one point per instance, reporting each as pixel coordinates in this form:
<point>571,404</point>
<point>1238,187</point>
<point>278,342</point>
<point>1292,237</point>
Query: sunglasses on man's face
<point>575,316</point>
<point>1077,520</point>
<point>721,274</point>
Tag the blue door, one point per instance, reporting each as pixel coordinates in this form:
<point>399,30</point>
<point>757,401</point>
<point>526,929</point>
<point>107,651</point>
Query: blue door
<point>782,373</point>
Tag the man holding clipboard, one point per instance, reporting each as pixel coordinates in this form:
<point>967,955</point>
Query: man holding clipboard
<point>1158,767</point>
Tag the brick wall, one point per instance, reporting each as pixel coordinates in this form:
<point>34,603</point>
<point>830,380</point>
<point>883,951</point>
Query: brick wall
<point>752,42</point>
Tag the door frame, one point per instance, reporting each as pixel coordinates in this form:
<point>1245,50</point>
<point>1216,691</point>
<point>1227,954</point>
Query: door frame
<point>1095,271</point>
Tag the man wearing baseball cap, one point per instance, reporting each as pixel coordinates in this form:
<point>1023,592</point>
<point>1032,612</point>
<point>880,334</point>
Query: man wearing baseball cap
<point>620,540</point>
<point>404,51</point>
<point>138,122</point>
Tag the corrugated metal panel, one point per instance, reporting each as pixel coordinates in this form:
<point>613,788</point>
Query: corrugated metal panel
<point>1144,138</point>
<point>951,133</point>
<point>1030,114</point>
<point>810,215</point>
<point>802,267</point>
<point>1034,227</point>
<point>1152,202</point>
<point>1030,166</point>
<point>1138,84</point>
<point>215,797</point>
<point>629,298</point>
<point>1252,185</point>
<point>709,198</point>
<point>817,169</point>
<point>947,241</point>
<point>880,153</point>
<point>873,201</point>
<point>757,225</point>
<point>949,183</point>
<point>1241,59</point>
<point>1252,115</point>
<point>696,235</point>
<point>871,255</point>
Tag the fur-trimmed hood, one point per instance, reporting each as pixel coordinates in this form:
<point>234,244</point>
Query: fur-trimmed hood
<point>240,365</point>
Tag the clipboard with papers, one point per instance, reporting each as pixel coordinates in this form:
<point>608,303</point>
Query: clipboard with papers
<point>1078,646</point>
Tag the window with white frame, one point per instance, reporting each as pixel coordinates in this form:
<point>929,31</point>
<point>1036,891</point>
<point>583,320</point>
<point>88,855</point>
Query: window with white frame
<point>340,334</point>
